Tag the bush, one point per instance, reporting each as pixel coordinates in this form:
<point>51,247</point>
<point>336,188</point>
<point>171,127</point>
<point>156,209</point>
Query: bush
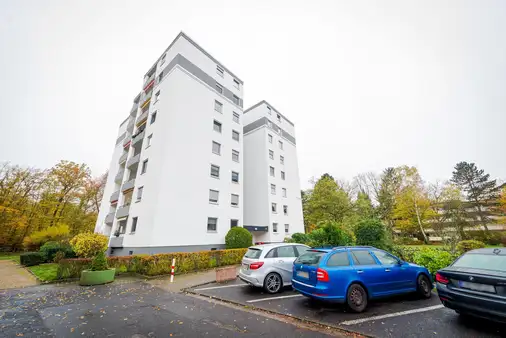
<point>433,259</point>
<point>503,240</point>
<point>49,249</point>
<point>89,245</point>
<point>58,256</point>
<point>238,238</point>
<point>31,258</point>
<point>300,238</point>
<point>99,262</point>
<point>465,246</point>
<point>329,233</point>
<point>372,232</point>
<point>55,233</point>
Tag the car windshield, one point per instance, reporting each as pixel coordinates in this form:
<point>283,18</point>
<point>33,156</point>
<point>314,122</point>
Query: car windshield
<point>310,258</point>
<point>481,261</point>
<point>253,253</point>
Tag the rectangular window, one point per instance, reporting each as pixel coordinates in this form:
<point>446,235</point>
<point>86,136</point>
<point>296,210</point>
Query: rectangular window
<point>234,223</point>
<point>282,175</point>
<point>139,193</point>
<point>279,118</point>
<point>157,96</point>
<point>216,148</point>
<point>235,135</point>
<point>273,189</point>
<point>236,84</point>
<point>148,141</point>
<point>287,228</point>
<point>235,99</point>
<point>280,145</point>
<point>274,207</point>
<point>134,225</point>
<point>213,196</point>
<point>235,117</point>
<point>218,106</point>
<point>217,126</point>
<point>362,257</point>
<point>285,210</point>
<point>220,71</point>
<point>284,192</point>
<point>270,138</point>
<point>282,159</point>
<point>153,118</point>
<point>215,171</point>
<point>235,177</point>
<point>144,167</point>
<point>219,88</point>
<point>339,259</point>
<point>274,227</point>
<point>271,171</point>
<point>234,200</point>
<point>269,110</point>
<point>235,156</point>
<point>212,224</point>
<point>271,154</point>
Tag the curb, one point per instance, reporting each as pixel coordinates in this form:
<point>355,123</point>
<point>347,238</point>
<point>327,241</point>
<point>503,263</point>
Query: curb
<point>304,320</point>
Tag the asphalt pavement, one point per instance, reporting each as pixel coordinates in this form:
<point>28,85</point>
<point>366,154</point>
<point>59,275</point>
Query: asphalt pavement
<point>402,316</point>
<point>134,309</point>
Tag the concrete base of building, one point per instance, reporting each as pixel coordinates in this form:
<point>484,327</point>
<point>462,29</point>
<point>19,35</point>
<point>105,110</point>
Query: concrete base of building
<point>151,250</point>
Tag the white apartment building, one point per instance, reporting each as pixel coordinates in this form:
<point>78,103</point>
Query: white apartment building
<point>272,198</point>
<point>175,179</point>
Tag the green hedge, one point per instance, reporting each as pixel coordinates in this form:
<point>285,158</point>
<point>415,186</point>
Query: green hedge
<point>32,258</point>
<point>155,265</point>
<point>431,258</point>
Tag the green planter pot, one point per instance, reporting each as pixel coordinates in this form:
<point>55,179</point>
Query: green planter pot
<point>89,277</point>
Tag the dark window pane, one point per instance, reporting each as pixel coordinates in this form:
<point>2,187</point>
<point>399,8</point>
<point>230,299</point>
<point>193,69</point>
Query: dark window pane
<point>311,257</point>
<point>481,261</point>
<point>286,251</point>
<point>339,259</point>
<point>385,258</point>
<point>253,253</point>
<point>271,254</point>
<point>362,257</point>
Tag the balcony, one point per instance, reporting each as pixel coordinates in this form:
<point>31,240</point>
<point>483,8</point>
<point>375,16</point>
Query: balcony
<point>127,140</point>
<point>149,83</point>
<point>119,176</point>
<point>114,197</point>
<point>146,101</point>
<point>142,118</point>
<point>134,160</point>
<point>131,123</point>
<point>109,218</point>
<point>138,137</point>
<point>116,242</point>
<point>123,211</point>
<point>123,158</point>
<point>133,111</point>
<point>150,78</point>
<point>129,185</point>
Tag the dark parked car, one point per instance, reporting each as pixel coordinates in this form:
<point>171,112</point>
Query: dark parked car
<point>475,284</point>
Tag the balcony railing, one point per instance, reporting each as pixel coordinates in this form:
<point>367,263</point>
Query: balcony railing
<point>148,80</point>
<point>142,118</point>
<point>123,158</point>
<point>116,242</point>
<point>114,197</point>
<point>138,137</point>
<point>130,125</point>
<point>134,160</point>
<point>129,185</point>
<point>126,141</point>
<point>119,176</point>
<point>123,211</point>
<point>109,218</point>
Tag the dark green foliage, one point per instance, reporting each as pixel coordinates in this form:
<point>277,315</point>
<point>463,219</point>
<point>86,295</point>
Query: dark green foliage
<point>330,233</point>
<point>49,250</point>
<point>99,262</point>
<point>31,258</point>
<point>238,238</point>
<point>465,246</point>
<point>299,237</point>
<point>372,232</point>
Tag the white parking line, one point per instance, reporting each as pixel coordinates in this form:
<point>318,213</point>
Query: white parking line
<point>220,287</point>
<point>396,314</point>
<point>271,298</point>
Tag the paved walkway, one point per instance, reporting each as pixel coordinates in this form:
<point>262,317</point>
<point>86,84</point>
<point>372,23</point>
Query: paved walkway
<point>13,276</point>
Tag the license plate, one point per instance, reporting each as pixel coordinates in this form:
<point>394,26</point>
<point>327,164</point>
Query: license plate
<point>477,286</point>
<point>303,274</point>
<point>245,266</point>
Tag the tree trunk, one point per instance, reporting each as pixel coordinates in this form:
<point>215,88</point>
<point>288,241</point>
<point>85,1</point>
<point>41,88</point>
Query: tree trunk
<point>425,238</point>
<point>482,220</point>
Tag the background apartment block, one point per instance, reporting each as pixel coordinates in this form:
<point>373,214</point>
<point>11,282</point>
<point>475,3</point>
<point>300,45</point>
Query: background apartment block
<point>175,179</point>
<point>272,198</point>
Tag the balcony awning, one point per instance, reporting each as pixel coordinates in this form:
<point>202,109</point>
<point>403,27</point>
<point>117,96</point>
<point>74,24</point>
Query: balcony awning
<point>256,228</point>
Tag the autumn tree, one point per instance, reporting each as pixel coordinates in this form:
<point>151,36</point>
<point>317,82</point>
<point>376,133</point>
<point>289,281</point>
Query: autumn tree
<point>481,191</point>
<point>363,206</point>
<point>502,200</point>
<point>388,189</point>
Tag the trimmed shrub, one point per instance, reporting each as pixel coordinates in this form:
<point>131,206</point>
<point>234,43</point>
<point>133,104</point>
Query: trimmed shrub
<point>49,249</point>
<point>89,245</point>
<point>328,234</point>
<point>465,246</point>
<point>99,262</point>
<point>55,233</point>
<point>433,259</point>
<point>31,258</point>
<point>300,238</point>
<point>238,238</point>
<point>372,232</point>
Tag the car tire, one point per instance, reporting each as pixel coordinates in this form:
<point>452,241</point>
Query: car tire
<point>273,283</point>
<point>356,298</point>
<point>423,287</point>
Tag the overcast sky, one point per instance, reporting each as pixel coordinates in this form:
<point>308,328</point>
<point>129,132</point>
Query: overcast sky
<point>368,84</point>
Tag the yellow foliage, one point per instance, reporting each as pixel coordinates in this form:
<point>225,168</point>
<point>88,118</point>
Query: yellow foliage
<point>88,245</point>
<point>55,233</point>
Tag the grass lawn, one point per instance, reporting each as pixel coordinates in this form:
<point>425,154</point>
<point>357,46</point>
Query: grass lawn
<point>6,256</point>
<point>45,272</point>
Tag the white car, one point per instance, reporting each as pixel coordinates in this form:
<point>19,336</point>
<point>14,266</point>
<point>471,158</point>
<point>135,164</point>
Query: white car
<point>270,265</point>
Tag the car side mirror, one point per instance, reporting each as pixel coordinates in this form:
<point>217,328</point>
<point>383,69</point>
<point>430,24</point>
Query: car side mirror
<point>401,262</point>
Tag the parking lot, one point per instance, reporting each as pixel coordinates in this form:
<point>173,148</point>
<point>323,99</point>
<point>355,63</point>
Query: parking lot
<point>405,316</point>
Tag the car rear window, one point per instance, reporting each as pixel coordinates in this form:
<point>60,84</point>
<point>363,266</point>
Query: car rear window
<point>253,253</point>
<point>310,258</point>
<point>480,261</point>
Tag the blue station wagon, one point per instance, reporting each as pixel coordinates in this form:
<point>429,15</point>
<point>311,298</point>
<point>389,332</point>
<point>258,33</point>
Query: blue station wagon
<point>353,275</point>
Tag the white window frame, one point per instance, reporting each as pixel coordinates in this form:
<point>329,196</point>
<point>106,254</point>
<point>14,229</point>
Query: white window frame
<point>283,175</point>
<point>236,117</point>
<point>274,208</point>
<point>237,84</point>
<point>219,148</point>
<point>236,99</point>
<point>287,228</point>
<point>285,210</point>
<point>235,152</point>
<point>144,167</point>
<point>282,159</point>
<point>220,70</point>
<point>215,224</point>
<point>139,193</point>
<point>280,144</point>
<point>275,227</point>
<point>269,110</point>
<point>273,189</point>
<point>211,192</point>
<point>218,106</point>
<point>135,220</point>
<point>234,133</point>
<point>269,136</point>
<point>232,220</point>
<point>283,190</point>
<point>272,171</point>
<point>153,115</point>
<point>271,154</point>
<point>232,197</point>
<point>232,177</point>
<point>219,88</point>
<point>148,141</point>
<point>217,123</point>
<point>215,167</point>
